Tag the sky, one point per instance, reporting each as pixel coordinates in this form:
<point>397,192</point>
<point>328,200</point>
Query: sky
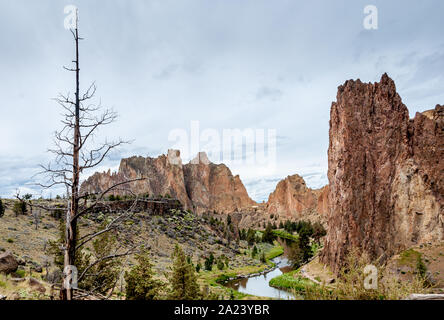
<point>228,64</point>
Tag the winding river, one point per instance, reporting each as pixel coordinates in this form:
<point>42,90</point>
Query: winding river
<point>258,285</point>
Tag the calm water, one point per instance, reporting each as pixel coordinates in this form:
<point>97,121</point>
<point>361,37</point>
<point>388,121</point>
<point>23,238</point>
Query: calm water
<point>258,285</point>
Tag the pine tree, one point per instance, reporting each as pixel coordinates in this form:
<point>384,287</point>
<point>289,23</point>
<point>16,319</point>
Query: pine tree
<point>183,282</point>
<point>140,282</point>
<point>254,252</point>
<point>268,235</point>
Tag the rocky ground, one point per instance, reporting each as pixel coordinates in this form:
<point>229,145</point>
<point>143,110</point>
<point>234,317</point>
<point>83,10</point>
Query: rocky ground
<point>159,233</point>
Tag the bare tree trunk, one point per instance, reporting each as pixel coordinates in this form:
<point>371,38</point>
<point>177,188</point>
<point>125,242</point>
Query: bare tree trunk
<point>71,219</point>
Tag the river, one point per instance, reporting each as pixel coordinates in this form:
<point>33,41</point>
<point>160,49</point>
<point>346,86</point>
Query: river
<point>258,285</point>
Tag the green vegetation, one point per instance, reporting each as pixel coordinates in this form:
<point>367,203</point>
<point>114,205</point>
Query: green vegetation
<point>209,262</point>
<point>183,282</point>
<point>112,197</point>
<point>268,235</point>
<point>19,208</point>
<point>102,273</point>
<point>285,235</point>
<point>216,278</point>
<point>140,282</point>
<point>413,258</point>
<point>291,281</point>
<point>351,284</point>
<point>20,273</point>
<point>2,208</point>
<point>274,252</point>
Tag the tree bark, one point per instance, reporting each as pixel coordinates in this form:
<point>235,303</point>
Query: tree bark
<point>71,220</point>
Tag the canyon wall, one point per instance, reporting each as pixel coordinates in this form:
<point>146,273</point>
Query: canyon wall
<point>199,185</point>
<point>293,200</point>
<point>385,173</point>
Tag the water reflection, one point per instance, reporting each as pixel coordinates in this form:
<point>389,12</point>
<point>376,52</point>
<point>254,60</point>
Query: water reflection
<point>258,285</point>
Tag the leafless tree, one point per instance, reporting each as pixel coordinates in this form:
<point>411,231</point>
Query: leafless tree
<point>74,152</point>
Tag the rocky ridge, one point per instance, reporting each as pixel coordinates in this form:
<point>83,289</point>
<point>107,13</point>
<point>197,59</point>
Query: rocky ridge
<point>199,185</point>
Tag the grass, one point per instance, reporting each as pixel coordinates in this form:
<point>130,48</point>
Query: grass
<point>285,235</point>
<point>291,281</point>
<point>274,252</point>
<point>351,285</point>
<point>409,257</point>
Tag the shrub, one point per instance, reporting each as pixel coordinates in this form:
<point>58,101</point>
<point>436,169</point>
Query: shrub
<point>254,252</point>
<point>220,264</point>
<point>209,262</point>
<point>263,259</point>
<point>2,208</point>
<point>19,208</point>
<point>20,273</point>
<point>350,284</point>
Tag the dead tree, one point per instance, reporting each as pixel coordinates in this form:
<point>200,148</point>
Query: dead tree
<point>74,154</point>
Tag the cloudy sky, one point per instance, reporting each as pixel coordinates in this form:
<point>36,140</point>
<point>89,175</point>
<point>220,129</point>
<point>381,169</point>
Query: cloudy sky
<point>161,64</point>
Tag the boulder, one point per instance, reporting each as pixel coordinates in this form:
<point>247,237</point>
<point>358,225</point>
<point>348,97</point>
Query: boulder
<point>8,263</point>
<point>36,285</point>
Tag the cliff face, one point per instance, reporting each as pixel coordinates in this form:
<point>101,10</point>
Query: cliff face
<point>199,185</point>
<point>293,200</point>
<point>212,187</point>
<point>385,173</point>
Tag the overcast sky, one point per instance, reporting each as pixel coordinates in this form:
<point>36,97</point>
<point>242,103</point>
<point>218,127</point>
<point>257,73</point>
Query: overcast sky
<point>228,64</point>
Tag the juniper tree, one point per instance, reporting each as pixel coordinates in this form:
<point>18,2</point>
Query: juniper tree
<point>183,282</point>
<point>140,281</point>
<point>2,208</point>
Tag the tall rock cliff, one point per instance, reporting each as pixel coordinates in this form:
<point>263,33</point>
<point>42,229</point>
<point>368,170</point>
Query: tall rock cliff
<point>385,173</point>
<point>199,185</point>
<point>293,200</point>
<point>212,187</point>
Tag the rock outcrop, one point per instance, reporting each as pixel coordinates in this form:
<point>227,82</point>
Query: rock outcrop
<point>385,173</point>
<point>8,263</point>
<point>293,200</point>
<point>199,185</point>
<point>164,177</point>
<point>212,187</point>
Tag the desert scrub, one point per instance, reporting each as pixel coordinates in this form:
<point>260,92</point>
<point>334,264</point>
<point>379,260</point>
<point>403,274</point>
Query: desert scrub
<point>350,283</point>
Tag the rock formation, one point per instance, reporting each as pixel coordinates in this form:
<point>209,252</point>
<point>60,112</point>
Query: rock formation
<point>8,263</point>
<point>385,173</point>
<point>164,177</point>
<point>293,200</point>
<point>212,187</point>
<point>199,185</point>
